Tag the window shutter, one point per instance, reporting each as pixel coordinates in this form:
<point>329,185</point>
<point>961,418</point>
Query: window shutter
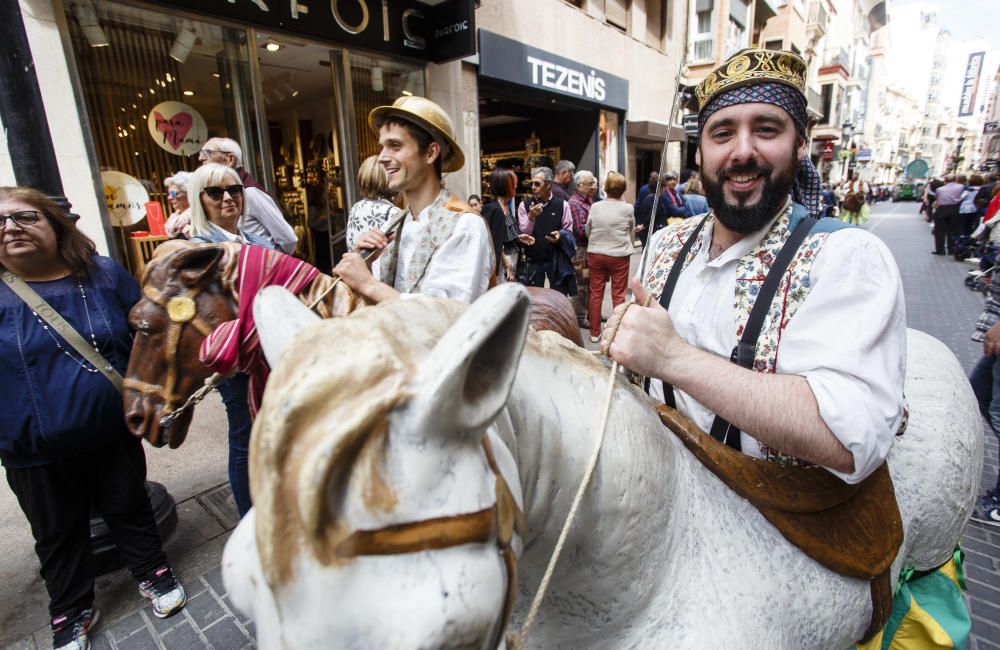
<point>616,13</point>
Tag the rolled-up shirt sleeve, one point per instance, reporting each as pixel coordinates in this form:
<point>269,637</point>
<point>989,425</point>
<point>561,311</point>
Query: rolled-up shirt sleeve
<point>848,340</point>
<point>525,225</point>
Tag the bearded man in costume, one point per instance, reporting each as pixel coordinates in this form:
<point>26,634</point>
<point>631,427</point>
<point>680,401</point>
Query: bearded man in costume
<point>815,376</point>
<point>442,248</point>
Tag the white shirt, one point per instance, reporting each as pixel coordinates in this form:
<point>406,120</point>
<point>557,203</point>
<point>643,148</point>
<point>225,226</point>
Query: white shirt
<point>848,338</point>
<point>262,217</point>
<point>460,268</point>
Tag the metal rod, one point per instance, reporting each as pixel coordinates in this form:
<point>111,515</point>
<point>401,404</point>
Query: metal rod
<point>29,141</point>
<point>663,163</point>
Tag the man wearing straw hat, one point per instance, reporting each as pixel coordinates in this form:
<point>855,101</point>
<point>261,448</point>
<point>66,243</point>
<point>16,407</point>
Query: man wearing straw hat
<point>442,248</point>
<point>815,375</point>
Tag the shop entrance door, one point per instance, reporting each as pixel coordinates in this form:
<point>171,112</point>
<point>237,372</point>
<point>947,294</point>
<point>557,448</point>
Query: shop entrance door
<point>316,100</point>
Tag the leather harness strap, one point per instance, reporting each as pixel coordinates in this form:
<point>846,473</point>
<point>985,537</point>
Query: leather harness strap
<point>501,520</point>
<point>181,310</point>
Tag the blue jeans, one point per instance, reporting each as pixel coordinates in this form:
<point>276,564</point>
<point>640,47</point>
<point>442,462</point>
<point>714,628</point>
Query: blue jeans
<point>234,396</point>
<point>985,380</point>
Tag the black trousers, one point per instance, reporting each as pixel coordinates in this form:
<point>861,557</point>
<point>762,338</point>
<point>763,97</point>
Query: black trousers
<point>947,222</point>
<point>57,498</point>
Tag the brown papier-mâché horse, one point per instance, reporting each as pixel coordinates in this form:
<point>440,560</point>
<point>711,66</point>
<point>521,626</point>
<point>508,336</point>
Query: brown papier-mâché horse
<point>164,369</point>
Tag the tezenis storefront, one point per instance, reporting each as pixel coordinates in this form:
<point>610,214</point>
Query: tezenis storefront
<point>536,108</point>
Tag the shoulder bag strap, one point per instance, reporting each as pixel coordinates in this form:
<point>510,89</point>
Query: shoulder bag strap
<point>745,351</point>
<point>668,292</point>
<point>37,304</point>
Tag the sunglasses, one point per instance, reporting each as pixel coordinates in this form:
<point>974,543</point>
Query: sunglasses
<point>21,218</point>
<point>216,193</point>
<point>174,194</point>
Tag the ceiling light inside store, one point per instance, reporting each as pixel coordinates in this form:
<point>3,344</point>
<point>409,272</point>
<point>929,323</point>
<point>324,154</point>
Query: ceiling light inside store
<point>378,84</point>
<point>216,75</point>
<point>408,93</point>
<point>169,78</point>
<point>189,93</point>
<point>272,46</point>
<point>183,44</point>
<point>86,15</point>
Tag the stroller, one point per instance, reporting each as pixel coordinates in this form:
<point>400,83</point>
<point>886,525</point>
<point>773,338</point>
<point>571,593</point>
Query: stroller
<point>962,246</point>
<point>982,277</point>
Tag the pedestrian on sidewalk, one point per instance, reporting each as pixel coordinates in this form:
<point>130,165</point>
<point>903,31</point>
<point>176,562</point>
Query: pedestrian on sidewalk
<point>63,438</point>
<point>585,184</point>
<point>970,213</point>
<point>947,223</point>
<point>501,216</point>
<point>985,380</point>
<point>611,232</point>
<point>694,196</point>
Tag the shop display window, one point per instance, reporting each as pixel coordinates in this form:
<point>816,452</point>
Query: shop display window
<point>377,82</point>
<point>156,87</point>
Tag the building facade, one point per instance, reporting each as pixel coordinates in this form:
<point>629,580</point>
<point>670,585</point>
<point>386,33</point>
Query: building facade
<point>133,88</point>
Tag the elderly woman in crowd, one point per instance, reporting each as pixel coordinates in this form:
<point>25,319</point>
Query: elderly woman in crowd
<point>215,216</point>
<point>501,217</point>
<point>611,229</point>
<point>180,216</point>
<point>375,206</point>
<point>64,442</point>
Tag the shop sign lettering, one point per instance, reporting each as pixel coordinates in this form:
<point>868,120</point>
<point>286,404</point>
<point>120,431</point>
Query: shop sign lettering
<point>553,75</point>
<point>125,197</point>
<point>409,28</point>
<point>515,62</point>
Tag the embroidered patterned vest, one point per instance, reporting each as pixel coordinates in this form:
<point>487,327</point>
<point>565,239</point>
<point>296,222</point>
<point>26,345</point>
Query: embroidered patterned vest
<point>751,270</point>
<point>443,215</point>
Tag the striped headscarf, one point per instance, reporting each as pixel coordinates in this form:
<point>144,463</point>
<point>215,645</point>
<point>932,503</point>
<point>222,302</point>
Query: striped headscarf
<point>807,189</point>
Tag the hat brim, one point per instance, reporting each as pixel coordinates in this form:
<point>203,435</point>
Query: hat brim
<point>453,159</point>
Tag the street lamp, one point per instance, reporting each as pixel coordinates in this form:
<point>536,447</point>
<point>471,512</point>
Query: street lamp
<point>847,131</point>
<point>958,153</point>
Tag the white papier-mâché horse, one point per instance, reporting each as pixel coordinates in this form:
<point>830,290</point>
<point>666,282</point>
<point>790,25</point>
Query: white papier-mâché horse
<point>375,420</point>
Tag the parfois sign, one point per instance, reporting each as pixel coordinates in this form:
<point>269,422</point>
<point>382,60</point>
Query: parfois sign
<point>509,60</point>
<point>408,28</point>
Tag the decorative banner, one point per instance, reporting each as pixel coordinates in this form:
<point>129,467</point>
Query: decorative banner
<point>126,198</point>
<point>177,127</point>
<point>970,84</point>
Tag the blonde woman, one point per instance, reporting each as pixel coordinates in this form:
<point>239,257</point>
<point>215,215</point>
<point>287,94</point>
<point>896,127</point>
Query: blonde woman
<point>373,210</point>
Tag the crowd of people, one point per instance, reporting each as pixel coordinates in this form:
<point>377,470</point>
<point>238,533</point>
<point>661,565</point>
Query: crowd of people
<point>838,405</point>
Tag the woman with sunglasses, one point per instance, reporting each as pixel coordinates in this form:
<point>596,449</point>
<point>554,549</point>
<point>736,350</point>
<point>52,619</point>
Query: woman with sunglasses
<point>215,218</point>
<point>64,442</point>
<point>180,216</point>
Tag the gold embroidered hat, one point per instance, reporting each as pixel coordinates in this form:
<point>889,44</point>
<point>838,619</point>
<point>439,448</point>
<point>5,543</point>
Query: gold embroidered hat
<point>752,66</point>
<point>424,113</point>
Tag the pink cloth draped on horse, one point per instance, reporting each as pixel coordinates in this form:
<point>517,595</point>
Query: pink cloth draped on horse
<point>234,345</point>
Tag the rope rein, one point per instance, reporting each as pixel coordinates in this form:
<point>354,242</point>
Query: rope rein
<point>516,640</point>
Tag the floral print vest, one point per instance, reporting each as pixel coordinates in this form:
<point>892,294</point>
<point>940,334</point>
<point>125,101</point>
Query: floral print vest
<point>751,271</point>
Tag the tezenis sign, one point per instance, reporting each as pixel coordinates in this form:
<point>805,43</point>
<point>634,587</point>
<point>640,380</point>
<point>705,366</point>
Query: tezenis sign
<point>406,28</point>
<point>509,60</point>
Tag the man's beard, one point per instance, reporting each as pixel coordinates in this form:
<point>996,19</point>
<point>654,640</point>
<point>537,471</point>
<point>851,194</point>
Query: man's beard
<point>744,218</point>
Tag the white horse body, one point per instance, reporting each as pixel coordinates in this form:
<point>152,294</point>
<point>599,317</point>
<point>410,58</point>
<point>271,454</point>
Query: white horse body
<point>662,554</point>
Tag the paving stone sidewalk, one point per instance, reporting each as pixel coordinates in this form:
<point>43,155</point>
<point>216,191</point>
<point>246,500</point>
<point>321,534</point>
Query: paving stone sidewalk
<point>937,302</point>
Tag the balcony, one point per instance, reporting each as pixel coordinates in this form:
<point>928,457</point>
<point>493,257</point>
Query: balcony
<point>836,60</point>
<point>818,19</point>
<point>814,104</point>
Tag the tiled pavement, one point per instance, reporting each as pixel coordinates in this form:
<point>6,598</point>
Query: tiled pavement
<point>937,302</point>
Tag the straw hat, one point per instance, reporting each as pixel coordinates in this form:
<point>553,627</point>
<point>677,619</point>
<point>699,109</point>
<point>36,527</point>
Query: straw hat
<point>424,113</point>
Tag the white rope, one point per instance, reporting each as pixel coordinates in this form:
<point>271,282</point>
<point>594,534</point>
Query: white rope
<point>515,640</point>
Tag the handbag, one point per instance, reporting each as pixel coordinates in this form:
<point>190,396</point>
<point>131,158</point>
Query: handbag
<point>55,320</point>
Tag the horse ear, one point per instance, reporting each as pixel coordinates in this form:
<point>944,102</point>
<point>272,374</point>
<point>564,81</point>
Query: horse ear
<point>469,374</point>
<point>198,264</point>
<point>278,316</point>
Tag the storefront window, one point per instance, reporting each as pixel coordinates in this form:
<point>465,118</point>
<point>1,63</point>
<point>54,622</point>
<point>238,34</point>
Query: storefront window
<point>609,146</point>
<point>377,82</point>
<point>156,87</point>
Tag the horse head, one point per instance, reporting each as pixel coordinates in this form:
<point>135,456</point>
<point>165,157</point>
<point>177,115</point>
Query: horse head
<point>373,476</point>
<point>187,290</point>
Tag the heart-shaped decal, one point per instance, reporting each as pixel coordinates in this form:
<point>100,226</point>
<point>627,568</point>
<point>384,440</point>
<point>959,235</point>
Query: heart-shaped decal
<point>173,128</point>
